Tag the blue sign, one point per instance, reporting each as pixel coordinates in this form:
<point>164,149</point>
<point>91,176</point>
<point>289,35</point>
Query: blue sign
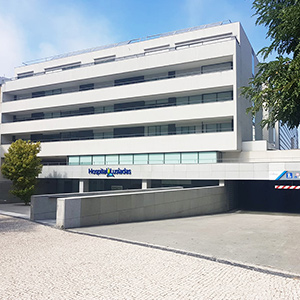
<point>109,172</point>
<point>289,175</point>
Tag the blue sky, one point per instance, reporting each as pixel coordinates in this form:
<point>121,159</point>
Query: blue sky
<point>32,29</point>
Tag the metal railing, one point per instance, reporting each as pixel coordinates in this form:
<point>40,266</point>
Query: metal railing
<point>150,37</point>
<point>63,114</point>
<point>112,84</point>
<point>120,58</point>
<point>110,135</point>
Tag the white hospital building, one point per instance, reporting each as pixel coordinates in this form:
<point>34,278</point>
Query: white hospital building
<point>150,112</point>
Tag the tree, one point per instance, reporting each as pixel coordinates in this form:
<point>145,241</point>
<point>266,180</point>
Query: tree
<point>276,86</point>
<point>22,166</point>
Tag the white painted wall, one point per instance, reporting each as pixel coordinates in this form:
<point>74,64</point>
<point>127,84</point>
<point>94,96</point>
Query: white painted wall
<point>150,144</point>
<point>224,171</point>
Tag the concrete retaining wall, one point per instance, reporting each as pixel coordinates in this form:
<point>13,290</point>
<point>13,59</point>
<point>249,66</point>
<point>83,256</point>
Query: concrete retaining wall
<point>44,207</point>
<point>140,206</point>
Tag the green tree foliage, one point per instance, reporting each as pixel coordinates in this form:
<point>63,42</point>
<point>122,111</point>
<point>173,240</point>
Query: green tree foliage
<point>22,166</point>
<point>276,86</point>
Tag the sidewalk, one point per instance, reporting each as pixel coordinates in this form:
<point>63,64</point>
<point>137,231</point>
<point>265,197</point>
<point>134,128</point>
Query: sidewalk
<point>40,262</point>
<point>15,210</point>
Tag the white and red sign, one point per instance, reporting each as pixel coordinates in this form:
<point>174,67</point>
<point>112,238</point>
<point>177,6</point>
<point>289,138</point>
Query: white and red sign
<point>287,187</point>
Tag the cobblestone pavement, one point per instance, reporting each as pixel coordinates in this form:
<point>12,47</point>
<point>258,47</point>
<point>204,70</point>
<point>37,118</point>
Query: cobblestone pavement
<point>40,262</point>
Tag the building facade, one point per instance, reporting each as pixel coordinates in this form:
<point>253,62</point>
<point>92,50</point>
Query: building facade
<point>143,113</point>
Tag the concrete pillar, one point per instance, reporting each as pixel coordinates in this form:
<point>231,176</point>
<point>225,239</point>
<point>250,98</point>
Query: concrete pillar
<point>221,182</point>
<point>145,184</point>
<point>83,185</point>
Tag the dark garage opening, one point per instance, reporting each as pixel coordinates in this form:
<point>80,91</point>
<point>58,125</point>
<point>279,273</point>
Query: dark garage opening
<point>259,195</point>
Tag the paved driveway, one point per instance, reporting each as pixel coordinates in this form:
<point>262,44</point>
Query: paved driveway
<point>262,239</point>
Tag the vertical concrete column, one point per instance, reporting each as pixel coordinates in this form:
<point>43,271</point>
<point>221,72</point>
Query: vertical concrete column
<point>145,184</point>
<point>221,182</point>
<point>83,185</point>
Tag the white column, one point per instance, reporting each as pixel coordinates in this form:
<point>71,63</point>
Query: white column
<point>145,184</point>
<point>221,182</point>
<point>83,185</point>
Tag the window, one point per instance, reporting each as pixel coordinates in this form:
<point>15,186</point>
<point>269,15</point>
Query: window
<point>164,130</point>
<point>24,75</point>
<point>37,116</point>
<point>172,158</point>
<point>126,159</point>
<point>185,129</point>
<point>225,126</point>
<point>63,67</point>
<point>86,110</point>
<point>108,135</point>
<point>208,157</point>
<point>163,48</point>
<point>162,102</point>
<point>225,96</point>
<point>38,94</point>
<point>140,159</point>
<point>74,160</point>
<point>189,158</point>
<point>108,109</point>
<point>128,132</point>
<point>210,128</point>
<point>195,99</point>
<point>216,67</point>
<point>53,92</point>
<point>86,87</point>
<point>112,159</point>
<point>156,158</point>
<point>129,105</point>
<point>99,110</point>
<point>129,80</point>
<point>171,74</point>
<point>86,160</point>
<point>209,98</point>
<point>182,101</point>
<point>99,160</point>
<point>106,59</point>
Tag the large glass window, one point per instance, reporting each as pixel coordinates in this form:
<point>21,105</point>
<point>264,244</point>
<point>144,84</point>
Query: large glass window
<point>156,158</point>
<point>74,160</point>
<point>225,126</point>
<point>112,159</point>
<point>212,97</point>
<point>99,160</point>
<point>172,158</point>
<point>210,128</point>
<point>189,158</point>
<point>185,129</point>
<point>162,102</point>
<point>140,159</point>
<point>207,157</point>
<point>86,160</point>
<point>182,101</point>
<point>216,67</point>
<point>126,159</point>
<point>224,96</point>
<point>86,87</point>
<point>195,99</point>
<point>164,130</point>
<point>38,94</point>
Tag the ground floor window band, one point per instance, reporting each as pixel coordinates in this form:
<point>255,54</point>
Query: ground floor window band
<point>147,158</point>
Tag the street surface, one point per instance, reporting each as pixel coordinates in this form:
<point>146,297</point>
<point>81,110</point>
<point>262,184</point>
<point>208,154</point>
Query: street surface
<point>270,240</point>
